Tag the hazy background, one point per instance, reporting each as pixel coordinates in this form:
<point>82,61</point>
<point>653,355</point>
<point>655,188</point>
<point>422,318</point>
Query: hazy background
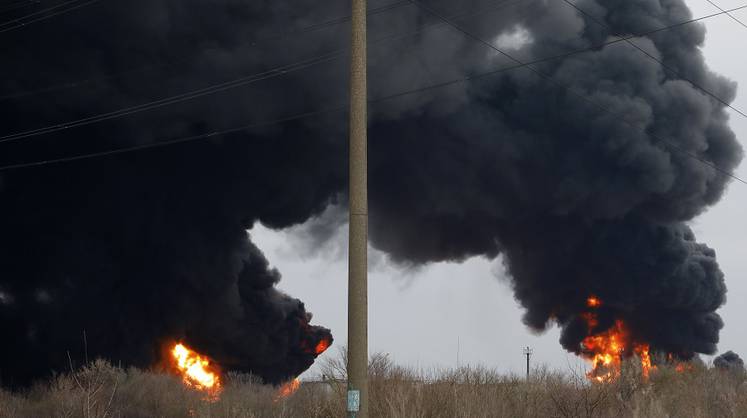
<point>447,314</point>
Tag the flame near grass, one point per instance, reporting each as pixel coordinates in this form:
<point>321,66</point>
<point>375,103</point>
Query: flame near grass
<point>288,389</point>
<point>197,371</point>
<point>607,349</point>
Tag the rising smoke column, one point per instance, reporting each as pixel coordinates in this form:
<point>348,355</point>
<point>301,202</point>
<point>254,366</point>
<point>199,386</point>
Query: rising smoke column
<point>178,265</point>
<point>137,248</point>
<point>578,202</point>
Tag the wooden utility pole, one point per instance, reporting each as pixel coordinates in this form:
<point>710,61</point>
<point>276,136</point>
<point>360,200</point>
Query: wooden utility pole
<point>357,399</point>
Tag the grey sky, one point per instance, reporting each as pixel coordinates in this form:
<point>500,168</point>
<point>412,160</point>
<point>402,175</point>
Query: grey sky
<point>444,313</point>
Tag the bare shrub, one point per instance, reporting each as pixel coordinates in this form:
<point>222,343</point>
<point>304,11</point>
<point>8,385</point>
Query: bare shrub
<point>100,390</point>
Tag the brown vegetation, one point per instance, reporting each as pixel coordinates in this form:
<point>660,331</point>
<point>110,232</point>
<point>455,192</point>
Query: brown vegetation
<point>101,390</point>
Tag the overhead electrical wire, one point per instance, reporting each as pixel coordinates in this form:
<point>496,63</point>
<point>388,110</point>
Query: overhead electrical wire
<point>303,30</point>
<point>307,29</point>
<point>654,58</point>
<point>239,82</point>
<point>555,57</point>
<point>193,94</point>
<point>175,141</point>
<point>734,18</point>
<point>569,89</point>
<point>38,12</point>
<point>342,107</point>
<point>22,21</point>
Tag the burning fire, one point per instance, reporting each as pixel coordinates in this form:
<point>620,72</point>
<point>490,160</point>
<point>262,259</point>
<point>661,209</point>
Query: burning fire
<point>288,389</point>
<point>196,370</point>
<point>292,386</point>
<point>321,347</point>
<point>318,348</point>
<point>607,349</point>
<point>593,302</point>
<point>683,367</point>
<point>679,366</point>
<point>643,353</point>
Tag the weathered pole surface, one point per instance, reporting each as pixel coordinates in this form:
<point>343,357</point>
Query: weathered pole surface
<point>358,240</point>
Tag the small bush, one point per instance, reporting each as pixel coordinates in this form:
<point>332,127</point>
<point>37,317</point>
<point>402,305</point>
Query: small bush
<point>100,390</point>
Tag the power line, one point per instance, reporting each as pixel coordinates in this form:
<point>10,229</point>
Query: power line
<point>38,12</point>
<point>553,57</point>
<point>181,140</point>
<point>307,29</point>
<point>649,55</point>
<point>193,94</point>
<point>569,89</point>
<point>341,107</point>
<point>303,30</point>
<point>727,13</point>
<point>274,72</point>
<point>21,21</point>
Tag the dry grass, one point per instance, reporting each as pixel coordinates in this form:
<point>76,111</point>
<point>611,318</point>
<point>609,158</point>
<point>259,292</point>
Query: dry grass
<point>101,390</point>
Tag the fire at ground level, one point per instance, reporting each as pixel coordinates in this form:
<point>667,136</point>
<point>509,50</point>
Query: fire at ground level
<point>203,374</point>
<point>606,349</point>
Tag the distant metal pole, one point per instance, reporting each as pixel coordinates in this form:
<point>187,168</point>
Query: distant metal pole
<point>357,400</point>
<point>528,352</point>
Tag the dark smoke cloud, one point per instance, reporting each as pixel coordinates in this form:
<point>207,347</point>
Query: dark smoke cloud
<point>729,361</point>
<point>147,246</point>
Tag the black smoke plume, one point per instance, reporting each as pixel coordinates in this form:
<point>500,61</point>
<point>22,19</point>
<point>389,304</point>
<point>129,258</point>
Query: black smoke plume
<point>142,247</point>
<point>729,361</point>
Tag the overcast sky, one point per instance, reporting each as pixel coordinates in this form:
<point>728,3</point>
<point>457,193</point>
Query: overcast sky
<point>446,314</point>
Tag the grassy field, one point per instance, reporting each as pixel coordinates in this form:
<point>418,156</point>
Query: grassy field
<point>101,390</point>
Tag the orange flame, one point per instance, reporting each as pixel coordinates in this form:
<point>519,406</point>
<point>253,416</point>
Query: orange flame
<point>679,366</point>
<point>643,353</point>
<point>288,389</point>
<point>605,352</point>
<point>196,370</point>
<point>607,349</point>
<point>321,347</point>
<point>593,302</point>
<point>683,367</point>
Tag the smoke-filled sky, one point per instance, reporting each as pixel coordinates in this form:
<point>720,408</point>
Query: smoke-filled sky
<point>497,205</point>
<point>464,313</point>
